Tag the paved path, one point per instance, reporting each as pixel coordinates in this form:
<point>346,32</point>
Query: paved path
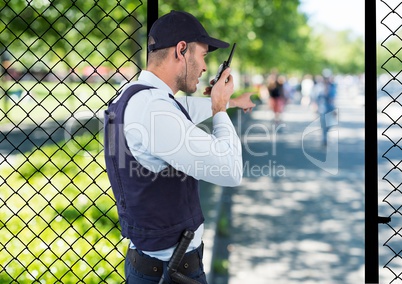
<point>298,216</point>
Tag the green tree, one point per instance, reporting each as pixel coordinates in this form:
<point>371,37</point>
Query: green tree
<point>341,51</point>
<point>38,34</point>
<point>275,34</point>
<point>269,33</point>
<point>389,56</point>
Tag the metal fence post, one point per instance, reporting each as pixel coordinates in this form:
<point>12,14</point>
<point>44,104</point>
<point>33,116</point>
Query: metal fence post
<point>371,164</point>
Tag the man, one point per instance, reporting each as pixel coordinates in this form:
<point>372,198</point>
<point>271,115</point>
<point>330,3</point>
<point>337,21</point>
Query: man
<point>324,93</point>
<point>155,154</point>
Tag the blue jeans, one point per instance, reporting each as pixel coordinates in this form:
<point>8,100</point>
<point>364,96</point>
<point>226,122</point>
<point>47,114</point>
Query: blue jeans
<point>135,277</point>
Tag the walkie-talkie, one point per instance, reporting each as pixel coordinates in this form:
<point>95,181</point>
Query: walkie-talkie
<point>223,66</point>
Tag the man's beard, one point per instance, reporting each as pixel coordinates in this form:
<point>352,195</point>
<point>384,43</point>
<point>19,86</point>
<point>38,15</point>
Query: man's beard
<point>184,79</point>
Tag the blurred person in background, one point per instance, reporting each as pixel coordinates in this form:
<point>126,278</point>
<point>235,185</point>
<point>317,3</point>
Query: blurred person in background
<point>323,94</point>
<point>277,94</point>
<point>307,85</point>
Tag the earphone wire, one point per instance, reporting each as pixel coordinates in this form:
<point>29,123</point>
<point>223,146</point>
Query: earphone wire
<point>188,108</point>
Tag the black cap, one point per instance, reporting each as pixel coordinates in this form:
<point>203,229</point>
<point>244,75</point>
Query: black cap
<point>176,26</point>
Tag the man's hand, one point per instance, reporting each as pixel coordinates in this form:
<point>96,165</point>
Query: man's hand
<point>243,101</point>
<point>221,92</point>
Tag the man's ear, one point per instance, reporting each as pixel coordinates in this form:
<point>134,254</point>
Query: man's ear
<point>183,48</point>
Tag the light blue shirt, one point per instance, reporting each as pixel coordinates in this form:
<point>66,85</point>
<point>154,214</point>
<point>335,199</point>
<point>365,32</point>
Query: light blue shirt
<point>159,134</point>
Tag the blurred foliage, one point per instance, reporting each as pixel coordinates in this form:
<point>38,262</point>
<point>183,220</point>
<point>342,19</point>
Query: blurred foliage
<point>269,34</point>
<point>220,266</point>
<point>62,226</point>
<point>223,226</point>
<point>37,34</point>
<point>389,55</point>
<point>63,100</point>
<point>342,51</point>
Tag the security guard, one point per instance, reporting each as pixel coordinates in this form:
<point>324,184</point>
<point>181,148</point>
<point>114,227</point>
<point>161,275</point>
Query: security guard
<point>155,154</point>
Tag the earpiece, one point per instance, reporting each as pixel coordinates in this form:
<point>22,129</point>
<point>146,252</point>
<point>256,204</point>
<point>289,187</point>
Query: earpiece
<point>182,52</point>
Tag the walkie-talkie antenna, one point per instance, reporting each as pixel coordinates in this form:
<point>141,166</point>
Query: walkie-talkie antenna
<point>231,55</point>
<point>223,66</point>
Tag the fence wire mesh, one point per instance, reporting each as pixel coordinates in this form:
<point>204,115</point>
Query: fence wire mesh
<point>61,61</point>
<point>391,93</point>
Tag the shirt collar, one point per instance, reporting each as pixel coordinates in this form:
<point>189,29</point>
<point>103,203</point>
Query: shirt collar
<point>150,78</point>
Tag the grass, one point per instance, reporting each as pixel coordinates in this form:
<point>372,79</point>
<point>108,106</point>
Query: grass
<point>58,220</point>
<point>44,101</point>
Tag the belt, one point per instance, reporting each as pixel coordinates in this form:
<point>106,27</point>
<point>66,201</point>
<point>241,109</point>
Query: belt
<point>151,266</point>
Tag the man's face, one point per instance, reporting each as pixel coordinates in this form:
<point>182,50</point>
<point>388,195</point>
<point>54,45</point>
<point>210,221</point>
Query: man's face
<point>195,66</point>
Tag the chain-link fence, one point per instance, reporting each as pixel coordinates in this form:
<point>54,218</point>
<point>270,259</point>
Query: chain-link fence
<point>390,102</point>
<point>61,62</point>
